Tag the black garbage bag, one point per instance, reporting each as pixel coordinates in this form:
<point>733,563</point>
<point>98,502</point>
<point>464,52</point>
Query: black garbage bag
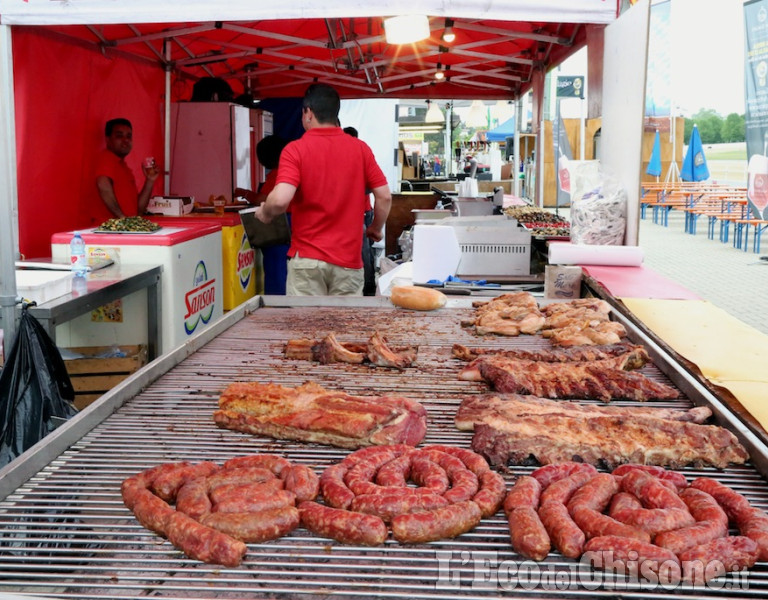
<point>36,393</point>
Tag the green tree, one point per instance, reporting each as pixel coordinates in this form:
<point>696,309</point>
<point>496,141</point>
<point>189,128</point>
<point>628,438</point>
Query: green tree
<point>734,128</point>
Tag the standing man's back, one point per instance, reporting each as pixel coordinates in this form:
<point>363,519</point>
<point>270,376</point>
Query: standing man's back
<point>332,170</point>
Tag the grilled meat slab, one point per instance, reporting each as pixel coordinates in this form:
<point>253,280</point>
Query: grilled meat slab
<point>312,413</point>
<point>478,409</point>
<point>601,379</point>
<point>606,441</point>
<point>635,357</point>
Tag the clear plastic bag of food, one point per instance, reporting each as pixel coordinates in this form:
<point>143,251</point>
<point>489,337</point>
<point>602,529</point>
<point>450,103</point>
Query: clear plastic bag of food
<point>599,215</point>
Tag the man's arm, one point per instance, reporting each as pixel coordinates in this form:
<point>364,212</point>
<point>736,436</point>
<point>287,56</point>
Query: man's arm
<point>382,198</point>
<point>107,193</point>
<point>276,203</point>
<point>150,176</point>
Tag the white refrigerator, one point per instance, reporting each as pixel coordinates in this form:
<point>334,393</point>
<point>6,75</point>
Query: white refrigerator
<point>211,149</point>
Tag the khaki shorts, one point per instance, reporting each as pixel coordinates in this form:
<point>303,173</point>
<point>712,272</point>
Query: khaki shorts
<point>312,277</point>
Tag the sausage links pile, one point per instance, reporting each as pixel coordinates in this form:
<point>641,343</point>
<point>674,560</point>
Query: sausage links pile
<point>636,515</point>
<point>219,509</point>
<point>369,490</point>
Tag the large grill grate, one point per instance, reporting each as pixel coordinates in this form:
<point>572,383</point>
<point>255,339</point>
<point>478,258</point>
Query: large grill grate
<point>66,534</point>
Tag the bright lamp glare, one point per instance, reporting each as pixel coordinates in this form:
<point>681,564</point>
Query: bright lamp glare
<point>406,29</point>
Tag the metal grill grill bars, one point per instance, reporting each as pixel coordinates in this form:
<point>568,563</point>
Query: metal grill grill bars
<point>66,534</point>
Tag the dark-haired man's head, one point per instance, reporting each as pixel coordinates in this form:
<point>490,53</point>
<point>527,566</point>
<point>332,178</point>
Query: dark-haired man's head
<point>324,102</point>
<point>268,150</point>
<point>119,134</point>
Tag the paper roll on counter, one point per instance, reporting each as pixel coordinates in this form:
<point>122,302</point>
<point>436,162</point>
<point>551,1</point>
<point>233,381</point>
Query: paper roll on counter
<point>565,253</point>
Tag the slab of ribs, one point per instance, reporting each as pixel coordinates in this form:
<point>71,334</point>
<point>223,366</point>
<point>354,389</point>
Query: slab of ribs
<point>312,413</point>
<point>523,429</point>
<point>603,379</point>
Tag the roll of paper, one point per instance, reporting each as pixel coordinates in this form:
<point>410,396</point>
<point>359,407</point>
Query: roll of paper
<point>565,253</point>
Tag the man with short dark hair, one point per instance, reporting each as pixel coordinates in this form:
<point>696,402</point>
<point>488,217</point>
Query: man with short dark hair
<point>333,171</point>
<point>115,181</point>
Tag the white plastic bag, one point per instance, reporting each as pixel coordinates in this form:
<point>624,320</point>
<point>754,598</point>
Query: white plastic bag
<point>599,216</point>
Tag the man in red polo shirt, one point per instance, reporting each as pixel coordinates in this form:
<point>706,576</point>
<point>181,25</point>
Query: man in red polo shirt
<point>332,170</point>
<point>114,178</point>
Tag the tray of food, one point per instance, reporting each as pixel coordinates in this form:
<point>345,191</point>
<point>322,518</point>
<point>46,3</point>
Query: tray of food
<point>128,225</point>
<point>541,223</point>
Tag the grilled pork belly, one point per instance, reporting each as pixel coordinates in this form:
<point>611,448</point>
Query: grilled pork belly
<point>478,409</point>
<point>603,380</point>
<point>314,414</point>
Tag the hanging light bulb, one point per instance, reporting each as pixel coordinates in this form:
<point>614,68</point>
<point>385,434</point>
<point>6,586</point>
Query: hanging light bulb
<point>477,116</point>
<point>448,34</point>
<point>406,29</point>
<point>434,114</point>
<point>439,73</point>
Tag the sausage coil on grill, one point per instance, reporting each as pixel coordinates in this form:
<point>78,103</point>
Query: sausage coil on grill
<point>444,522</point>
<point>344,526</point>
<point>220,508</point>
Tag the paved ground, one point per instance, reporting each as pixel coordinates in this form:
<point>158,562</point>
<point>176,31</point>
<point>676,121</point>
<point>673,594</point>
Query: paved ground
<point>729,278</point>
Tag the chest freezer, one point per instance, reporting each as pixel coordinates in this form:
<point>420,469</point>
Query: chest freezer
<point>191,284</point>
<point>242,272</point>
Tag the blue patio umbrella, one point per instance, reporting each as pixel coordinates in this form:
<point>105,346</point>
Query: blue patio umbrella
<point>695,163</point>
<point>654,164</point>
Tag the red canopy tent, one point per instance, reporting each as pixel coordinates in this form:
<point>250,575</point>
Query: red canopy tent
<point>76,64</point>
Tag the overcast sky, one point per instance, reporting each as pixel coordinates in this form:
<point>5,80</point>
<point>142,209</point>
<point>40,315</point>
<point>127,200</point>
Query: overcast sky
<point>707,49</point>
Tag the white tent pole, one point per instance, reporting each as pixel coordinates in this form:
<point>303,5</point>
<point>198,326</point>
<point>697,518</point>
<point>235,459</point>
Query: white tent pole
<point>9,246</point>
<point>167,132</point>
<point>516,151</point>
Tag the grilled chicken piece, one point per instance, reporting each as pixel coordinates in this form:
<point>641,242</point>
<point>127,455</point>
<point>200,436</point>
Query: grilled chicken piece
<point>586,333</point>
<point>508,314</point>
<point>381,355</point>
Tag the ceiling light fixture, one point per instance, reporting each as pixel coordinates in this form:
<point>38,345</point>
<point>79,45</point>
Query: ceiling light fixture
<point>478,115</point>
<point>434,114</point>
<point>448,34</point>
<point>406,29</point>
<point>439,73</point>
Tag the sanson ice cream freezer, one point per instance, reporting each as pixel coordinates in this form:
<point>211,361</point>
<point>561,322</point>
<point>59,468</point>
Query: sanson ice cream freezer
<point>191,284</point>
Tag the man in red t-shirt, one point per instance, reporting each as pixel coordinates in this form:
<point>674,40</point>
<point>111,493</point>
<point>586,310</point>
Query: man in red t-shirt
<point>114,179</point>
<point>332,170</point>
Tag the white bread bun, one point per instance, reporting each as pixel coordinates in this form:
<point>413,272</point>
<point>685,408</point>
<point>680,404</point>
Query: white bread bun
<point>417,298</point>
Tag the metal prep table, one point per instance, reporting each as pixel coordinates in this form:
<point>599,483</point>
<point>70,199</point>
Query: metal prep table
<point>65,533</point>
<point>101,287</point>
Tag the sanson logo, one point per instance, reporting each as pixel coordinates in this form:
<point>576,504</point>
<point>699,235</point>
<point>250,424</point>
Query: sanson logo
<point>200,299</point>
<point>246,257</point>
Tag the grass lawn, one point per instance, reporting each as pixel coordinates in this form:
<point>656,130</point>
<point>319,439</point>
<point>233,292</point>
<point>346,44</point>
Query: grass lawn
<point>726,151</point>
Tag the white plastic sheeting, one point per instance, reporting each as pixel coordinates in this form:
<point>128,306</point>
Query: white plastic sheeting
<point>81,12</point>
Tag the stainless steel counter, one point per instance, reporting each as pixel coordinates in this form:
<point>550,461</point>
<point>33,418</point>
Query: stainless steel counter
<point>101,287</point>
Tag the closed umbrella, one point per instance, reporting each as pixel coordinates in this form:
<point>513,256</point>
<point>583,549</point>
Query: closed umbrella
<point>654,164</point>
<point>695,163</point>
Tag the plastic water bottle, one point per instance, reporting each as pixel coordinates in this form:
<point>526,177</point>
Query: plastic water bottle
<point>77,255</point>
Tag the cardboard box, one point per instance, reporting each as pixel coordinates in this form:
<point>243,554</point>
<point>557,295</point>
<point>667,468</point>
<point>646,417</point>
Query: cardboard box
<point>408,173</point>
<point>174,206</point>
<point>92,376</point>
<point>562,282</point>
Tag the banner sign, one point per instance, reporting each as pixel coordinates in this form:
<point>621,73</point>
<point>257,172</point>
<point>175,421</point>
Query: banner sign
<point>756,99</point>
<point>569,86</point>
<point>658,76</point>
<point>563,155</point>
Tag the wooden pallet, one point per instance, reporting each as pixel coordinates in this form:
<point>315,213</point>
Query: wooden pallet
<point>93,377</point>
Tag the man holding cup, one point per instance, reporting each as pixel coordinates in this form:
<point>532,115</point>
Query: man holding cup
<point>115,182</point>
